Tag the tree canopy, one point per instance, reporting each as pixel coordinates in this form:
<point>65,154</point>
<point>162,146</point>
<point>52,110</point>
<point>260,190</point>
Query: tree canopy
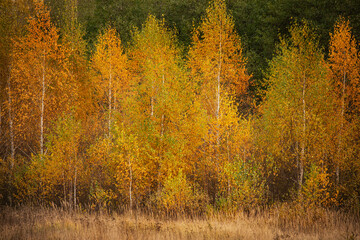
<point>180,106</point>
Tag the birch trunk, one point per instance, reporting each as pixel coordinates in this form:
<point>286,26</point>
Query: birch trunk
<point>340,148</point>
<point>64,187</point>
<point>110,98</point>
<point>302,154</point>
<point>75,179</point>
<point>130,185</point>
<point>42,108</point>
<point>12,145</point>
<point>218,97</point>
<point>219,79</point>
<point>152,98</point>
<point>162,116</point>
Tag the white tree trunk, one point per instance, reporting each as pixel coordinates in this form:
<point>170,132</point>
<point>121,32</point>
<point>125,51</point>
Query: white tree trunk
<point>218,99</point>
<point>12,145</point>
<point>130,184</point>
<point>64,183</point>
<point>303,138</point>
<point>340,149</point>
<point>152,99</point>
<point>75,180</point>
<point>110,98</point>
<point>162,116</point>
<point>42,107</point>
<point>218,95</point>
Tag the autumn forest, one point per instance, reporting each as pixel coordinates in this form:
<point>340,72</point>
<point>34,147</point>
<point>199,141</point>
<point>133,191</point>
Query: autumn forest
<point>153,124</point>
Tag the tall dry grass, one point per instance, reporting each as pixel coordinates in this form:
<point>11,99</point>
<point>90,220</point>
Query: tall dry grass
<point>57,223</point>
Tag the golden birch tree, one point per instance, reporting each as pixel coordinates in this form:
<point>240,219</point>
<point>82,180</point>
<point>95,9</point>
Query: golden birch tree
<point>62,166</point>
<point>216,59</point>
<point>298,110</point>
<point>345,76</point>
<point>72,37</point>
<point>110,62</point>
<point>163,114</point>
<point>12,24</point>
<point>217,65</point>
<point>39,81</point>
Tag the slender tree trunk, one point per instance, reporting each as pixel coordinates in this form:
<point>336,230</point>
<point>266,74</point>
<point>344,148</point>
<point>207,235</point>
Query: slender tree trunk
<point>42,109</point>
<point>340,148</point>
<point>302,154</point>
<point>75,182</point>
<point>130,184</point>
<point>70,191</point>
<point>228,148</point>
<point>152,98</point>
<point>12,145</point>
<point>218,91</point>
<point>160,153</point>
<point>297,156</point>
<point>218,99</point>
<point>162,116</point>
<point>70,182</point>
<point>110,97</point>
<point>218,95</point>
<point>64,185</point>
<point>115,103</point>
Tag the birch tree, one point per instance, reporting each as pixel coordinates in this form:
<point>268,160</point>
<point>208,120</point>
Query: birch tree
<point>298,110</point>
<point>218,67</point>
<point>110,63</point>
<point>216,59</point>
<point>38,80</point>
<point>344,74</point>
<point>164,114</point>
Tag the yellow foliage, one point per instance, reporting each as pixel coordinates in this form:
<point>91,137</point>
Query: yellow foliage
<point>100,165</point>
<point>133,172</point>
<point>216,55</point>
<point>316,191</point>
<point>241,186</point>
<point>178,196</point>
<point>40,86</point>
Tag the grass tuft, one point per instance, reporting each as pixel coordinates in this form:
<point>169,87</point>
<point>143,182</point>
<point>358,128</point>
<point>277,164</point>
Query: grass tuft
<point>27,222</point>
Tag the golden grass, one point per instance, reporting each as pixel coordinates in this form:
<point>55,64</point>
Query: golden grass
<point>55,223</point>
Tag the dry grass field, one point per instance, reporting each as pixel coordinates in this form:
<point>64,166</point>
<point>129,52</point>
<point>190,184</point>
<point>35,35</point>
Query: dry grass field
<point>55,223</point>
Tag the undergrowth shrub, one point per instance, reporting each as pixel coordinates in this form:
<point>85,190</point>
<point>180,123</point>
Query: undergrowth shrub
<point>242,186</point>
<point>315,191</point>
<point>308,208</point>
<point>179,196</point>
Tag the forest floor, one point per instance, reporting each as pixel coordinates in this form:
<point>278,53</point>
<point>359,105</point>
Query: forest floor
<point>56,223</point>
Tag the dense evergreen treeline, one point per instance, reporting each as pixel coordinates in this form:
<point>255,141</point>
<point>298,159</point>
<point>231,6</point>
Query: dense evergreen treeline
<point>171,120</point>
